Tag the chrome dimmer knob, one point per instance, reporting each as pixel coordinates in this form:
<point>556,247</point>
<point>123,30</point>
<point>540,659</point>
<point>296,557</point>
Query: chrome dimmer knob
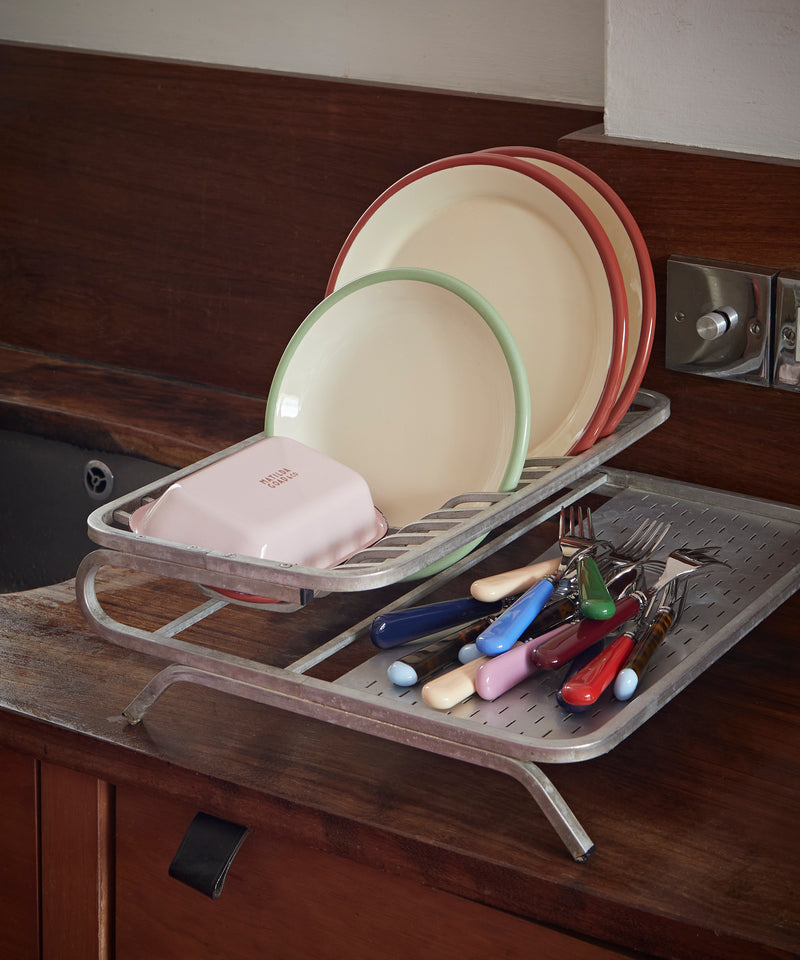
<point>715,323</point>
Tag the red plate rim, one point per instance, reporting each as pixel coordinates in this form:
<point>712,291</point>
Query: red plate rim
<point>646,336</point>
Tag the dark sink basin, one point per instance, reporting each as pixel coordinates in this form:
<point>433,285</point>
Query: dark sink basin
<point>47,490</point>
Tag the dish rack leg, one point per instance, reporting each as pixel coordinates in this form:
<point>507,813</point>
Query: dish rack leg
<point>137,709</point>
<point>535,781</point>
<point>555,808</point>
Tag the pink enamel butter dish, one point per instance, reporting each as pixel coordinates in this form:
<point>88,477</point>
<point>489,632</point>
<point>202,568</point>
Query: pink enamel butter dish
<point>276,499</point>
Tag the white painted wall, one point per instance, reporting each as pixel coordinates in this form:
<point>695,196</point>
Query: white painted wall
<point>535,49</point>
<point>723,74</point>
<point>708,73</point>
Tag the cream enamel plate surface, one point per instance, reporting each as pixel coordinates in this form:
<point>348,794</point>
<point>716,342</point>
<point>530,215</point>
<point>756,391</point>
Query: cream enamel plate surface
<point>632,254</point>
<point>522,238</point>
<point>413,380</point>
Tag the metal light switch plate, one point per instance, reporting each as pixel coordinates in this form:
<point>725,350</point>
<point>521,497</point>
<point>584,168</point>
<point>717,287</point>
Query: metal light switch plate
<point>786,370</point>
<point>718,319</point>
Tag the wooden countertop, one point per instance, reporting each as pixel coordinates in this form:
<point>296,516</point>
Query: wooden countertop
<point>694,816</point>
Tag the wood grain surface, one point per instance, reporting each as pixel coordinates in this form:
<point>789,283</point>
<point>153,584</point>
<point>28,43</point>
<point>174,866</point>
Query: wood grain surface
<point>693,816</point>
<point>183,219</point>
<point>77,864</point>
<point>290,901</point>
<point>164,227</point>
<point>19,863</point>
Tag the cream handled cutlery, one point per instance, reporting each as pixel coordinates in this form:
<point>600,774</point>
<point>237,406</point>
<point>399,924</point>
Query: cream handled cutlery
<point>508,627</point>
<point>453,687</point>
<point>501,585</point>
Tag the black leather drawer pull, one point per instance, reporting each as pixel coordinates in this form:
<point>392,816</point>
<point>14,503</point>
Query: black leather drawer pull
<point>206,853</point>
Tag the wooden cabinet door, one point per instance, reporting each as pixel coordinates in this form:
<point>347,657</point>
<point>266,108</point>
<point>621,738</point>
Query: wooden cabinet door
<point>288,902</point>
<point>19,856</point>
<point>76,864</point>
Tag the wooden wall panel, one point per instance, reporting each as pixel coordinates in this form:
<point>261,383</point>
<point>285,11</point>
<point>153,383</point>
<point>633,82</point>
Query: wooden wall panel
<point>184,219</point>
<point>725,207</point>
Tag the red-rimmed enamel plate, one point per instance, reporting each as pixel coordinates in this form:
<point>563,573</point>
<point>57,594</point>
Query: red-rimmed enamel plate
<point>632,254</point>
<point>527,242</point>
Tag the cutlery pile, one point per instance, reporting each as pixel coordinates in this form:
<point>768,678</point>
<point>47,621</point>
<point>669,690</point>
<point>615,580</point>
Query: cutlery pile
<point>601,609</point>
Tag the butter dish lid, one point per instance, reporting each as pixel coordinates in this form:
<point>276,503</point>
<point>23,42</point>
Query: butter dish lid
<point>276,499</point>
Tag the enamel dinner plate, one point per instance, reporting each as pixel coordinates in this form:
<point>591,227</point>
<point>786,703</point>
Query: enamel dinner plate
<point>524,240</point>
<point>633,257</point>
<point>411,378</point>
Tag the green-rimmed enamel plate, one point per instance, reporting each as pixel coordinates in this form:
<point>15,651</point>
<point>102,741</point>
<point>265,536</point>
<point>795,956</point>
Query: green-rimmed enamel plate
<point>411,378</point>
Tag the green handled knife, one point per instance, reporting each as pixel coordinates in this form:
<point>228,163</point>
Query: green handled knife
<point>595,600</point>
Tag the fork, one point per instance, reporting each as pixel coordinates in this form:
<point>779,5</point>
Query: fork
<point>595,600</point>
<point>623,661</point>
<point>663,617</point>
<point>640,544</point>
<point>507,628</point>
<point>568,641</point>
<point>520,579</point>
<point>595,597</point>
<point>499,674</point>
<point>509,582</point>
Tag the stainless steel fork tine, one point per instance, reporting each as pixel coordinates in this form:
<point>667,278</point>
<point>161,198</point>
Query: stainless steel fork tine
<point>587,517</point>
<point>654,538</point>
<point>647,537</point>
<point>577,528</point>
<point>655,531</point>
<point>629,543</point>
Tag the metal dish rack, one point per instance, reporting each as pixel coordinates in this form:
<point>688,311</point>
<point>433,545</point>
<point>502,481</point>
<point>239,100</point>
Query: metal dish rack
<point>513,734</point>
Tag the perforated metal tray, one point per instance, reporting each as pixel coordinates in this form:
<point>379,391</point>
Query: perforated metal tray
<point>759,540</point>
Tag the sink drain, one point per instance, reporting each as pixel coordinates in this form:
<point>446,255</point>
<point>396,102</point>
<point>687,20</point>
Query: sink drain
<point>98,480</point>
